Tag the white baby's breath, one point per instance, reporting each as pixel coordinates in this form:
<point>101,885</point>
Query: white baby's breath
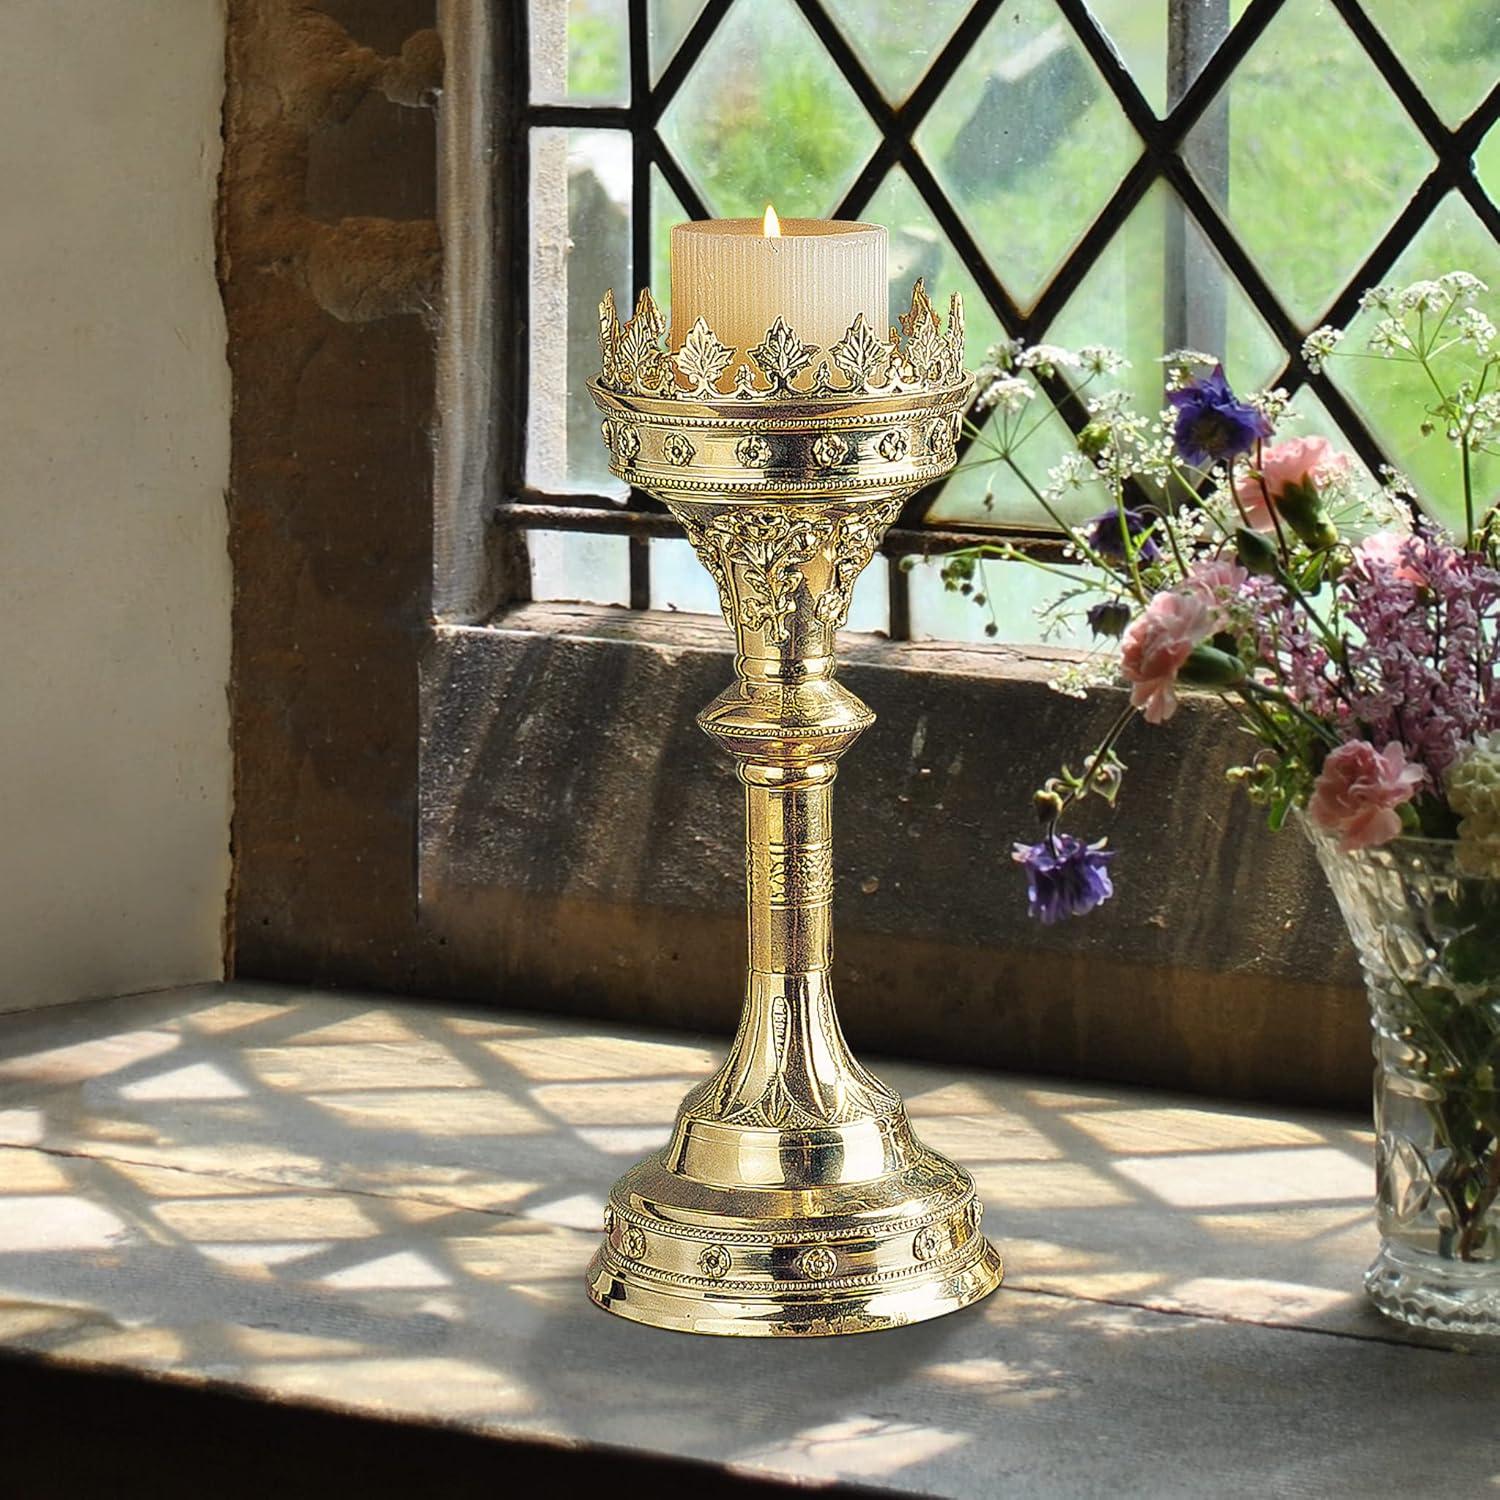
<point>1099,359</point>
<point>1047,359</point>
<point>1007,392</point>
<point>1319,345</point>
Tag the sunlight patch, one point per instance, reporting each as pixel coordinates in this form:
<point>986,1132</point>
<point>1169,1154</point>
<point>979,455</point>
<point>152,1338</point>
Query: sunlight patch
<point>203,1080</point>
<point>80,1060</point>
<point>22,1127</point>
<point>241,1256</point>
<point>861,1446</point>
<point>621,1140</point>
<point>57,1222</point>
<point>581,1211</point>
<point>1222,1179</point>
<point>403,1271</point>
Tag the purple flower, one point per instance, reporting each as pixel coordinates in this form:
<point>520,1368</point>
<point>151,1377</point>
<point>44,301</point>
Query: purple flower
<point>1420,620</point>
<point>1211,424</point>
<point>1422,654</point>
<point>1109,618</point>
<point>1064,876</point>
<point>1107,535</point>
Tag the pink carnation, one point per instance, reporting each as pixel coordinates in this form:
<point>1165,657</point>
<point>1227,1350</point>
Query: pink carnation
<point>1298,461</point>
<point>1156,644</point>
<point>1357,790</point>
<point>1218,579</point>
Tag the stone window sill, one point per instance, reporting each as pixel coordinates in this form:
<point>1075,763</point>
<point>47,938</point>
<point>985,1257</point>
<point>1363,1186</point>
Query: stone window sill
<point>380,1207</point>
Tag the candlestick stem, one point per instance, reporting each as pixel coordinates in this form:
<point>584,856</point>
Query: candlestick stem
<point>793,1196</point>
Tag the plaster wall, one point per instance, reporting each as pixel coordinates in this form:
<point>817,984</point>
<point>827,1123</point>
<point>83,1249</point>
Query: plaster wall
<point>114,456</point>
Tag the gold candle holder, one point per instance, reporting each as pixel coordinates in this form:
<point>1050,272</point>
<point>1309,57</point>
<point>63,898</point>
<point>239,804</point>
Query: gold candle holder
<point>794,1196</point>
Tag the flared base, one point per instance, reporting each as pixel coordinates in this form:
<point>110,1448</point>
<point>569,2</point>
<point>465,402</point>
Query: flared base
<point>1430,1291</point>
<point>854,1257</point>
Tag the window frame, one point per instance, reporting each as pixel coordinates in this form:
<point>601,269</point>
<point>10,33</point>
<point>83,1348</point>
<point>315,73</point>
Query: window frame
<point>1199,67</point>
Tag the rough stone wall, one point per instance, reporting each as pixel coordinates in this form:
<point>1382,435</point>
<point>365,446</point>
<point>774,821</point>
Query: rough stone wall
<point>330,264</point>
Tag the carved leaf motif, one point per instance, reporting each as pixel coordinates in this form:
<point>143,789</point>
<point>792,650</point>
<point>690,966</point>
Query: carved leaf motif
<point>777,1108</point>
<point>641,362</point>
<point>921,312</point>
<point>854,542</point>
<point>861,356</point>
<point>928,353</point>
<point>609,340</point>
<point>822,380</point>
<point>702,360</point>
<point>782,356</point>
<point>920,353</point>
<point>956,332</point>
<point>770,547</point>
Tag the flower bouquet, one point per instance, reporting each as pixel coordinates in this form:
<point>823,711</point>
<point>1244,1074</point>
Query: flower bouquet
<point>1357,642</point>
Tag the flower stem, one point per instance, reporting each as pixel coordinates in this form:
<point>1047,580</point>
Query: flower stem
<point>1471,540</point>
<point>1249,687</point>
<point>1091,768</point>
<point>1089,552</point>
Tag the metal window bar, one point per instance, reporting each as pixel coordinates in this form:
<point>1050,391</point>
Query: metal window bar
<point>1204,50</point>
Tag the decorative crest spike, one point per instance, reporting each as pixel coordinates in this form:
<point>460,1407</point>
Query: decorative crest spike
<point>919,355</point>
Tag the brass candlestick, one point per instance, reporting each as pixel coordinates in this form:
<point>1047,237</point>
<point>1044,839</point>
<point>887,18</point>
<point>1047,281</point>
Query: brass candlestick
<point>793,1197</point>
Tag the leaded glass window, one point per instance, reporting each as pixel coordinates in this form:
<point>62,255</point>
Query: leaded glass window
<point>1153,174</point>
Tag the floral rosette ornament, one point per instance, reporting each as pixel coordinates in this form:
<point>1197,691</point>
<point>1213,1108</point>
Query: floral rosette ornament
<point>1357,641</point>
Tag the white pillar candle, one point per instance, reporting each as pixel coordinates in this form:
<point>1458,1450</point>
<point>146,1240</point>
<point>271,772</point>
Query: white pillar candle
<point>817,274</point>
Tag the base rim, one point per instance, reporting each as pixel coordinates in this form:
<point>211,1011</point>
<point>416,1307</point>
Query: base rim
<point>690,1309</point>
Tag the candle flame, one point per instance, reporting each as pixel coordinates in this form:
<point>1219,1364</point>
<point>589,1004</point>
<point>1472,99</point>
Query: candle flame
<point>771,225</point>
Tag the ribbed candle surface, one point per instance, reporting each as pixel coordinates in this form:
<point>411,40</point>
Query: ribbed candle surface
<point>818,274</point>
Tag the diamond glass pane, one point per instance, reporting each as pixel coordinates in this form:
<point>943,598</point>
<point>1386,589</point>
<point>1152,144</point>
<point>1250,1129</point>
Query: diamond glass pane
<point>679,582</point>
<point>580,51</point>
<point>765,116</point>
<point>1450,47</point>
<point>1001,479</point>
<point>1320,157</point>
<point>1029,142</point>
<point>1487,164</point>
<point>980,491</point>
<point>918,247</point>
<point>579,568</point>
<point>896,40</point>
<point>1160,287</point>
<point>580,244</point>
<point>870,603</point>
<point>1138,30</point>
<point>1013,595</point>
<point>667,23</point>
<point>1393,396</point>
